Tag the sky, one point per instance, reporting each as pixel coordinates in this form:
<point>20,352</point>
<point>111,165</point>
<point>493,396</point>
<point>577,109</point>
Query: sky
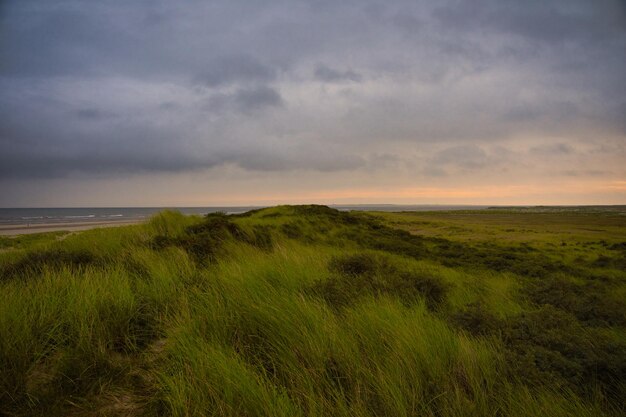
<point>250,102</point>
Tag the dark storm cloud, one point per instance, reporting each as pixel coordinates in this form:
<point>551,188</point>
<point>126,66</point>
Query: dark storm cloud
<point>93,114</point>
<point>542,21</point>
<point>326,74</point>
<point>156,86</point>
<point>298,159</point>
<point>244,100</point>
<point>256,98</point>
<point>242,68</point>
<point>96,163</point>
<point>43,153</point>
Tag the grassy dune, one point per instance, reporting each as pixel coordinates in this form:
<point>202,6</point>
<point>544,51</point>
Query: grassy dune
<point>307,311</point>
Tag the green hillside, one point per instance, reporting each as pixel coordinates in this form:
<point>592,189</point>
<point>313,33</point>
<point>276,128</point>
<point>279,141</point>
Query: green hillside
<point>309,311</point>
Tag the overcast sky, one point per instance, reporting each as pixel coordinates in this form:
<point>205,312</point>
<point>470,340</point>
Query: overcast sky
<point>232,102</point>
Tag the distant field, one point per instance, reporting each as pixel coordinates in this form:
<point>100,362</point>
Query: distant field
<point>309,311</point>
<point>508,225</point>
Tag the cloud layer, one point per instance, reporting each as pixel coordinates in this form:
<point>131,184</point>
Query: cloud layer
<point>411,93</point>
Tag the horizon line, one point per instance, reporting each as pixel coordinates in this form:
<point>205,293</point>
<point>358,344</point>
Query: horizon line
<point>253,206</point>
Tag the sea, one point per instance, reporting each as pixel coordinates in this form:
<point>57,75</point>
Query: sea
<point>34,216</point>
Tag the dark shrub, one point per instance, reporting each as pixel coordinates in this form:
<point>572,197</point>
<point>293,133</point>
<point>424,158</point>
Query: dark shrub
<point>203,241</point>
<point>259,236</point>
<point>202,248</point>
<point>216,224</point>
<point>477,320</point>
<point>589,302</point>
<point>518,260</point>
<point>323,216</point>
<point>161,242</point>
<point>292,230</point>
<point>316,210</point>
<point>549,346</point>
<point>380,237</point>
<point>621,246</point>
<point>411,285</point>
<point>35,262</point>
<point>358,264</point>
<point>335,292</point>
<point>364,274</point>
<point>615,262</point>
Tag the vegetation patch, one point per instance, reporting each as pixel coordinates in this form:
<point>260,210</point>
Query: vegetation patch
<point>34,263</point>
<point>310,311</point>
<point>204,240</point>
<point>592,302</point>
<point>549,347</point>
<point>368,274</point>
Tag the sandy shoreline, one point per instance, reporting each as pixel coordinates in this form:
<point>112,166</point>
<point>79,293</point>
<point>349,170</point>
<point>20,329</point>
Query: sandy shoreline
<point>24,229</point>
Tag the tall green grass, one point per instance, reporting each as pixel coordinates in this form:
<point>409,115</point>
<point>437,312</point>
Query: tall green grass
<point>302,311</point>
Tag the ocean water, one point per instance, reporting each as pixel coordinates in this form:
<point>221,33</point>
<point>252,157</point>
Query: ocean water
<point>33,216</point>
<point>10,216</point>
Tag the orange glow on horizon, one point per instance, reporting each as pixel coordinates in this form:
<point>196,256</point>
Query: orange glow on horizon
<point>483,194</point>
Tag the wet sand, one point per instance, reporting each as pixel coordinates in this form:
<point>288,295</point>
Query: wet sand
<point>24,229</point>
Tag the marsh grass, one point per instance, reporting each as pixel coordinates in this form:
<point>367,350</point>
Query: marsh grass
<point>308,311</point>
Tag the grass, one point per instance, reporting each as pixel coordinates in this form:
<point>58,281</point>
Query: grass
<point>308,311</point>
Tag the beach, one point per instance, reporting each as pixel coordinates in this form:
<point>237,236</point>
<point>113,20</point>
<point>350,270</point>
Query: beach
<point>26,228</point>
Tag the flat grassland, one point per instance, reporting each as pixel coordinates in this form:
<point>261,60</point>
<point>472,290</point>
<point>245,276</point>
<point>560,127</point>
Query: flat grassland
<point>308,311</point>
